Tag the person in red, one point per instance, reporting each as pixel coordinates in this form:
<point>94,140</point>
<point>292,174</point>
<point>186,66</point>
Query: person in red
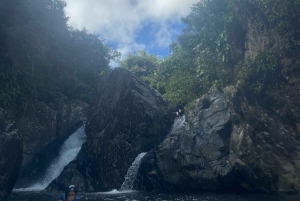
<point>70,194</point>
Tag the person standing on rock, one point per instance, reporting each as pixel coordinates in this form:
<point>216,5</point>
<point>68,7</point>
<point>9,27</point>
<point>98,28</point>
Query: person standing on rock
<point>70,194</point>
<point>179,109</point>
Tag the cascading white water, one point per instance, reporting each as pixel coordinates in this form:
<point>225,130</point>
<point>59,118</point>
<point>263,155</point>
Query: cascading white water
<point>178,122</point>
<point>68,152</point>
<point>132,173</point>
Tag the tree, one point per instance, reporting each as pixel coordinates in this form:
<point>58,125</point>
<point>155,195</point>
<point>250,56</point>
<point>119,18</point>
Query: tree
<point>42,59</point>
<point>142,65</point>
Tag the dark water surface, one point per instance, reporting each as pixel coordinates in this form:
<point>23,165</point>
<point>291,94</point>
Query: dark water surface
<point>143,196</point>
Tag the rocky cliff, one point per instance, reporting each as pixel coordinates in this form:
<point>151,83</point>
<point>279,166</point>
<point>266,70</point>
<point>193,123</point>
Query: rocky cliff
<point>44,129</point>
<point>126,118</point>
<point>10,154</point>
<point>237,138</point>
<point>228,142</point>
<point>243,137</point>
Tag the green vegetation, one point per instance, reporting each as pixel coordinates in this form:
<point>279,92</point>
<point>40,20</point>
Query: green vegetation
<point>142,65</point>
<point>42,59</point>
<point>283,19</point>
<point>225,41</point>
<point>200,57</point>
<point>215,49</point>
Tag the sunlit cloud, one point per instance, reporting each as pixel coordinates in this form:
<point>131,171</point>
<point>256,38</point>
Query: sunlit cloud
<point>119,21</point>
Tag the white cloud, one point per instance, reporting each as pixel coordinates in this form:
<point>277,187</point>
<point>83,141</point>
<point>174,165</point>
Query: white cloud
<point>163,38</point>
<point>119,21</point>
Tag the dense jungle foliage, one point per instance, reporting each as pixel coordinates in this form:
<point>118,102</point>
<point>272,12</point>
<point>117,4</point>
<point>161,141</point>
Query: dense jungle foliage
<point>42,59</point>
<point>226,41</point>
<point>254,42</point>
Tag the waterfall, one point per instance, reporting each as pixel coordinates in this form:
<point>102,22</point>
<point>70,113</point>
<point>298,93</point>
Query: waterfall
<point>68,152</point>
<point>178,122</point>
<point>132,173</point>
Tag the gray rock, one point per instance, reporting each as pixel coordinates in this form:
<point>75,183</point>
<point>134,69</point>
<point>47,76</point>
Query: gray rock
<point>149,178</point>
<point>265,146</point>
<point>195,155</point>
<point>77,172</point>
<point>44,131</point>
<point>70,175</point>
<point>10,155</point>
<point>254,27</point>
<point>231,142</point>
<point>126,118</point>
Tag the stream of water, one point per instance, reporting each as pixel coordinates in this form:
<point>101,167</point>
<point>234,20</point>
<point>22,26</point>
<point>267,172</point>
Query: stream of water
<point>71,148</point>
<point>68,152</point>
<point>132,172</point>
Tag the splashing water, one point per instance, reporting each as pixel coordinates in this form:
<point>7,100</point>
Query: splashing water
<point>132,173</point>
<point>115,191</point>
<point>178,122</point>
<point>68,152</point>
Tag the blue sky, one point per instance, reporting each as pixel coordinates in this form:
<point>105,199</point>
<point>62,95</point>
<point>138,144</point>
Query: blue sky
<point>131,25</point>
<point>147,35</point>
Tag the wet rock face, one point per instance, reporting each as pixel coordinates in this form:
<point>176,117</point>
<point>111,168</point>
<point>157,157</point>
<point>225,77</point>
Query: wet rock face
<point>44,131</point>
<point>10,155</point>
<point>44,124</point>
<point>148,177</point>
<point>37,128</point>
<point>195,155</point>
<point>70,175</point>
<point>265,146</point>
<point>126,118</point>
<point>77,172</point>
<point>231,142</point>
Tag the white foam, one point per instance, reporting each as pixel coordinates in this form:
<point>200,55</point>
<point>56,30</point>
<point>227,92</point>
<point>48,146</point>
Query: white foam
<point>115,191</point>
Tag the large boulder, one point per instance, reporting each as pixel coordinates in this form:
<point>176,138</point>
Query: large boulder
<point>44,130</point>
<point>195,155</point>
<point>265,148</point>
<point>10,155</point>
<point>126,118</point>
<point>230,142</point>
